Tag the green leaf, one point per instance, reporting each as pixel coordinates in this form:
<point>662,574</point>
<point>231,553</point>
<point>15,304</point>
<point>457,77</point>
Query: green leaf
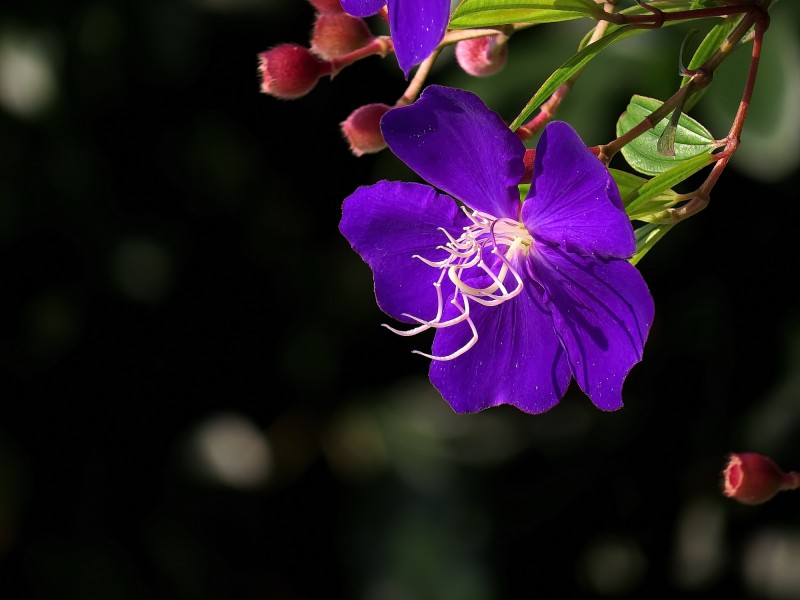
<point>639,205</point>
<point>567,70</point>
<point>647,236</point>
<point>691,138</point>
<point>641,201</point>
<point>711,42</point>
<point>488,13</point>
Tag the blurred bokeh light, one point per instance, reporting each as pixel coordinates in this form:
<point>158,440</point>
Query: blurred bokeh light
<point>198,400</point>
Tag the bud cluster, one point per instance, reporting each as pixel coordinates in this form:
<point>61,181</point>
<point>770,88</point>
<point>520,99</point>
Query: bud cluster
<point>290,71</point>
<point>339,39</point>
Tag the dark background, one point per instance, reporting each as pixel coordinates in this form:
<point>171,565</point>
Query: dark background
<point>198,400</point>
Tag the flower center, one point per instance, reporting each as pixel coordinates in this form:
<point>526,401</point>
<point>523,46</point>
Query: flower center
<point>486,248</point>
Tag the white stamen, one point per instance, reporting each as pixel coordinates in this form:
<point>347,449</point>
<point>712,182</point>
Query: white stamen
<point>473,340</point>
<point>506,238</point>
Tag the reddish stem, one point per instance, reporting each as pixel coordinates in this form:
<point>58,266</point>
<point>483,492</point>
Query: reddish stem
<point>700,198</point>
<point>658,18</point>
<point>380,46</point>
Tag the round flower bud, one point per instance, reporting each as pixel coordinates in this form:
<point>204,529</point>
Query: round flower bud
<point>337,34</point>
<point>327,7</point>
<point>481,56</point>
<point>753,478</point>
<point>290,71</point>
<point>362,129</point>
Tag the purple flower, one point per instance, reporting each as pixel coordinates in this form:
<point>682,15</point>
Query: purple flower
<point>416,26</point>
<point>523,296</point>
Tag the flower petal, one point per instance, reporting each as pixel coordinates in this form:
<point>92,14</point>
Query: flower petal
<point>387,224</point>
<point>454,142</point>
<point>518,358</point>
<point>362,8</point>
<point>573,199</point>
<point>416,27</point>
<point>602,311</point>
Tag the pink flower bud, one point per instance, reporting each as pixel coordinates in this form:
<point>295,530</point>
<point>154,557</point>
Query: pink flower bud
<point>290,71</point>
<point>481,56</point>
<point>753,478</point>
<point>362,129</point>
<point>527,160</point>
<point>327,7</point>
<point>337,34</point>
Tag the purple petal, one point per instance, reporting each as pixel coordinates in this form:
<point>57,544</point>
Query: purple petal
<point>416,27</point>
<point>518,358</point>
<point>573,199</point>
<point>602,310</point>
<point>362,8</point>
<point>387,224</point>
<point>454,142</point>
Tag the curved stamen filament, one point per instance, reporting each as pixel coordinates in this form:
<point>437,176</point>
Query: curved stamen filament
<point>506,258</point>
<point>472,341</point>
<point>504,238</point>
<point>479,294</point>
<point>425,325</point>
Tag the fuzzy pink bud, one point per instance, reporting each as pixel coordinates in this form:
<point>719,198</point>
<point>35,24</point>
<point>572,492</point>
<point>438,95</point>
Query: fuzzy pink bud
<point>527,160</point>
<point>362,129</point>
<point>327,7</point>
<point>753,478</point>
<point>481,56</point>
<point>290,71</point>
<point>337,34</point>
